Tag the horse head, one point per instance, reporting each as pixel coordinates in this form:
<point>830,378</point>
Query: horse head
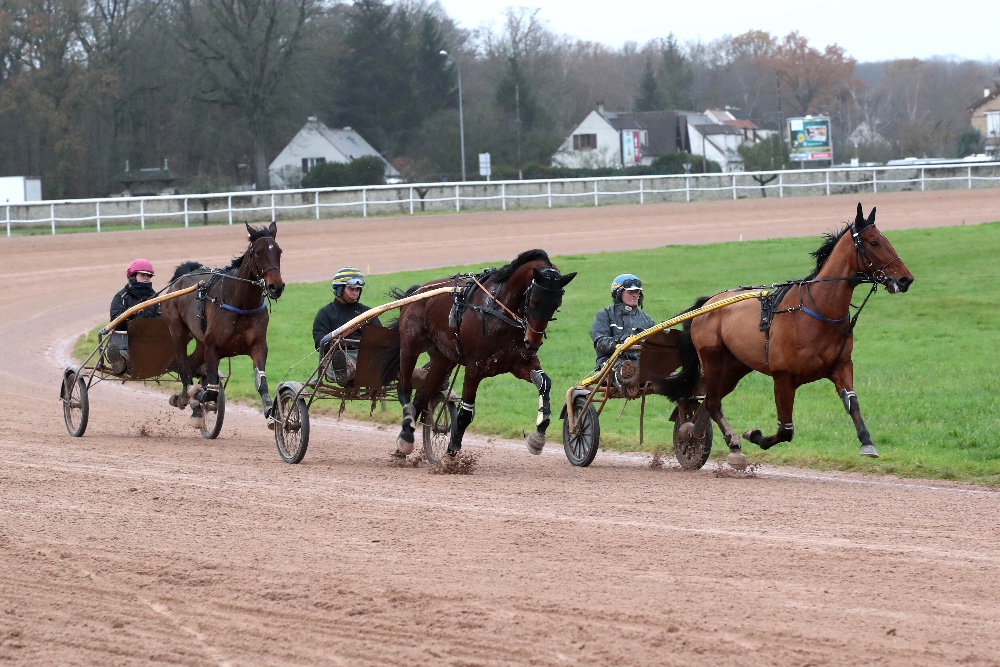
<point>265,258</point>
<point>542,298</point>
<point>875,256</point>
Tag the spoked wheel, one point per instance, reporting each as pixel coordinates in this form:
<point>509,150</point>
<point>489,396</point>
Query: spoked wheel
<point>214,413</point>
<point>76,404</point>
<point>291,427</point>
<point>581,443</point>
<point>437,420</point>
<point>691,451</point>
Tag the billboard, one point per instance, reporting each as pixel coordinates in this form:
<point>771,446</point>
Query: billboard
<point>631,152</point>
<point>810,138</point>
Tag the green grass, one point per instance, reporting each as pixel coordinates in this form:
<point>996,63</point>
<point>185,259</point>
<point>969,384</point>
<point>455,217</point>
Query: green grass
<point>927,368</point>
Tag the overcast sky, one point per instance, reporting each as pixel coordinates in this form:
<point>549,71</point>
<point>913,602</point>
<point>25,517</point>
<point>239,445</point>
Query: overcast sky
<point>868,31</point>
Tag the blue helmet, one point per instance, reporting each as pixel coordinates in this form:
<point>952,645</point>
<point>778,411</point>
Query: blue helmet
<point>347,276</point>
<point>626,282</point>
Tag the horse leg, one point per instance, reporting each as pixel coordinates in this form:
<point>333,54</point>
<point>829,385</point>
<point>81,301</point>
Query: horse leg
<point>843,380</point>
<point>722,373</point>
<point>784,400</point>
<point>466,412</point>
<point>536,439</point>
<point>258,354</point>
<point>181,339</point>
<point>404,392</point>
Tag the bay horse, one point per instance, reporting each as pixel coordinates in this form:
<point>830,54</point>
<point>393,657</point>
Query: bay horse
<point>494,325</point>
<point>800,333</point>
<point>227,317</point>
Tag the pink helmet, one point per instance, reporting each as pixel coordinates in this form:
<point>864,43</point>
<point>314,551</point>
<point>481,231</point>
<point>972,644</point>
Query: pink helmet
<point>139,266</point>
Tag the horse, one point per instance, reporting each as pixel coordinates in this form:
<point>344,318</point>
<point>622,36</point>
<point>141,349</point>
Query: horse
<point>226,317</point>
<point>800,332</point>
<point>493,325</point>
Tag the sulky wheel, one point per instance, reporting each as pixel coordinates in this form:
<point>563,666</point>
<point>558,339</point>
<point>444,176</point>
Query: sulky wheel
<point>437,421</point>
<point>214,413</point>
<point>691,451</point>
<point>581,444</point>
<point>291,426</point>
<point>76,404</point>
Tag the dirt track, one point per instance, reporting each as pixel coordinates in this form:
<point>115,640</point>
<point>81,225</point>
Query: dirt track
<point>141,543</point>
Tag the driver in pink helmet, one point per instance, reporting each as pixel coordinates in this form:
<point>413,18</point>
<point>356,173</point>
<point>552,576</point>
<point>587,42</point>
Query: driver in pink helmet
<point>139,288</point>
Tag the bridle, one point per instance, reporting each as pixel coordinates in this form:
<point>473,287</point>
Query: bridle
<point>864,260</point>
<point>254,256</point>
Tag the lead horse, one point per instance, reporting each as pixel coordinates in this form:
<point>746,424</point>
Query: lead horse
<point>227,316</point>
<point>493,325</point>
<point>800,333</point>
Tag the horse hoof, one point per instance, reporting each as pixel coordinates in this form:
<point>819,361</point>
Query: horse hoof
<point>403,447</point>
<point>192,390</point>
<point>270,424</point>
<point>737,460</point>
<point>196,422</point>
<point>753,435</point>
<point>869,451</point>
<point>685,431</point>
<point>535,442</point>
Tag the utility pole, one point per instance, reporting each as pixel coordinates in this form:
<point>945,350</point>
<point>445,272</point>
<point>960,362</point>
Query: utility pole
<point>517,111</point>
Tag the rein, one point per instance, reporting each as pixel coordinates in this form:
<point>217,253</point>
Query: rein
<point>203,292</point>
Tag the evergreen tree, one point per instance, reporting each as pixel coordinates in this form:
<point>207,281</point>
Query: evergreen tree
<point>676,76</point>
<point>650,98</point>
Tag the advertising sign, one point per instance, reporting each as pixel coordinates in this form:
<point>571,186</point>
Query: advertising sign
<point>810,138</point>
<point>484,165</point>
<point>631,151</point>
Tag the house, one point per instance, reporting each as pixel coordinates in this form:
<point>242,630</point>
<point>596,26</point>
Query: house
<point>626,138</point>
<point>316,144</point>
<point>714,141</point>
<point>619,139</point>
<point>986,118</point>
<point>147,181</point>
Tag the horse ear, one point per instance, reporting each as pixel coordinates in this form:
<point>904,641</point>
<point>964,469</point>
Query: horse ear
<point>273,229</point>
<point>860,217</point>
<point>871,217</point>
<point>563,281</point>
<point>537,274</point>
<point>249,230</point>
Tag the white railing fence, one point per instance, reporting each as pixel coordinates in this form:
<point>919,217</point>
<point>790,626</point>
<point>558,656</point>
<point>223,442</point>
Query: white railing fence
<point>412,199</point>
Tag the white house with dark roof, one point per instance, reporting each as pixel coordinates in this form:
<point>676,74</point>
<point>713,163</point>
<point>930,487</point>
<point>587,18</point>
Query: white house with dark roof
<point>316,144</point>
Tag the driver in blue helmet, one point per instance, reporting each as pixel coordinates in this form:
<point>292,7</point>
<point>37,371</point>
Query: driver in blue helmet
<point>347,286</point>
<point>623,318</point>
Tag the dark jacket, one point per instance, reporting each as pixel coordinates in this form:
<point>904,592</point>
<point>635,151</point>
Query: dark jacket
<point>133,294</point>
<point>614,324</point>
<point>335,314</point>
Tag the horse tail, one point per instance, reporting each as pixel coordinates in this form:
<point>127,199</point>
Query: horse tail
<point>187,267</point>
<point>684,383</point>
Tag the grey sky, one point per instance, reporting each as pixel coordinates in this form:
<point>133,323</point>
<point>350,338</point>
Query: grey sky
<point>868,31</point>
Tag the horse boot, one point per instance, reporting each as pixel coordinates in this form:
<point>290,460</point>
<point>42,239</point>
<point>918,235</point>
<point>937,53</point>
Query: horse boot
<point>404,442</point>
<point>197,418</point>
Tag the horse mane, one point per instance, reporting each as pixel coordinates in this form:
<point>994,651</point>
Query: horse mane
<point>823,253</point>
<point>187,267</point>
<point>504,273</point>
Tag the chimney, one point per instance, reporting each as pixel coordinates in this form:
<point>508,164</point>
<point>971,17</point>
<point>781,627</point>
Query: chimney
<point>312,119</point>
<point>126,166</point>
<point>987,92</point>
<point>165,167</point>
<point>600,108</point>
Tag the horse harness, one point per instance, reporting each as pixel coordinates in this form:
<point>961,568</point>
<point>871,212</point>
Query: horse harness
<point>769,301</point>
<point>202,295</point>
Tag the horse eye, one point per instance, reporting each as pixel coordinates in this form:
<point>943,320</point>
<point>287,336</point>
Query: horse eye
<point>874,244</point>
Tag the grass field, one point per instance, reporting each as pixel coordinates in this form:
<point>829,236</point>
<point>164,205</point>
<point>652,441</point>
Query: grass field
<point>927,371</point>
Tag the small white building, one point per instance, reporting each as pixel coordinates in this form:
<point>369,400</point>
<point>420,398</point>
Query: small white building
<point>316,144</point>
<point>714,141</point>
<point>618,139</point>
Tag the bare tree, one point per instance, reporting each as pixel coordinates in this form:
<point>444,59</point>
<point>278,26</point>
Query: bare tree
<point>245,48</point>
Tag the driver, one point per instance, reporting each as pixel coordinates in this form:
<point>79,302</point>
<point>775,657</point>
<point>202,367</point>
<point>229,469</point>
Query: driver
<point>347,286</point>
<point>623,318</point>
<point>139,288</point>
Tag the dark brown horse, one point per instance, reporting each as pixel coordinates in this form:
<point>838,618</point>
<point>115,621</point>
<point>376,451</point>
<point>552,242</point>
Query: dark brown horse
<point>804,334</point>
<point>495,325</point>
<point>227,317</point>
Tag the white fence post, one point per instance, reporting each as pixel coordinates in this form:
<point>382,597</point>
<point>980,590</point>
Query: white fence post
<point>317,204</point>
<point>687,188</point>
<point>8,221</point>
<point>52,216</point>
<point>827,184</point>
<point>922,172</point>
<point>734,186</point>
<point>874,181</point>
<point>550,194</point>
<point>98,207</point>
<point>364,203</point>
<point>781,186</point>
<point>458,205</point>
<point>595,192</point>
<point>229,205</point>
<point>185,212</point>
<point>641,193</point>
<point>970,178</point>
<point>503,196</point>
<point>273,214</point>
<point>142,214</point>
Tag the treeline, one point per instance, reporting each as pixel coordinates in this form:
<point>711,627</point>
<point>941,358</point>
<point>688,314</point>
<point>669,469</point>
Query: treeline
<point>217,88</point>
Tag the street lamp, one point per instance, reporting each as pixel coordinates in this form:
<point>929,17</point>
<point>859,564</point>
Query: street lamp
<point>461,115</point>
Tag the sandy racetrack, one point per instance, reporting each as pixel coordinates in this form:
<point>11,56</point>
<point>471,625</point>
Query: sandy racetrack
<point>141,543</point>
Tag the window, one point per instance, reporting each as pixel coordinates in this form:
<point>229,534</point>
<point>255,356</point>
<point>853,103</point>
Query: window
<point>584,142</point>
<point>310,162</point>
<point>993,124</point>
